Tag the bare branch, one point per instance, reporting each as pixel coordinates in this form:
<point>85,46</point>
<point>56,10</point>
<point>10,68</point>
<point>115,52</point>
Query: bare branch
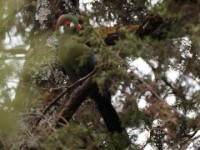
<point>79,93</point>
<point>76,99</point>
<point>187,143</point>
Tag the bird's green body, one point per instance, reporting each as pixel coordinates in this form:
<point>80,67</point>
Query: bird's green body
<point>78,60</point>
<point>71,52</point>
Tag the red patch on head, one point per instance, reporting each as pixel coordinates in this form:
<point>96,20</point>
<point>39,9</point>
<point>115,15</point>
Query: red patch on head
<point>59,21</point>
<point>67,24</point>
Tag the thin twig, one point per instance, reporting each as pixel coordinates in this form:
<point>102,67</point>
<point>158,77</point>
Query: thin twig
<point>186,143</point>
<point>159,98</point>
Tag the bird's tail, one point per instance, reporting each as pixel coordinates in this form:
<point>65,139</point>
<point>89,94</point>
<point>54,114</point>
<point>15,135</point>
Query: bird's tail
<point>107,111</point>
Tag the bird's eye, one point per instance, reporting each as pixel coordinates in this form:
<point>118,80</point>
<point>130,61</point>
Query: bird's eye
<point>67,24</point>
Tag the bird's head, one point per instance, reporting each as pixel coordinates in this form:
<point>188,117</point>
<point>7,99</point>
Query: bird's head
<point>69,24</point>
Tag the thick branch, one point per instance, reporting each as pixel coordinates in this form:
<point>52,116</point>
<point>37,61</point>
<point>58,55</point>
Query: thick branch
<point>76,99</point>
<point>69,88</point>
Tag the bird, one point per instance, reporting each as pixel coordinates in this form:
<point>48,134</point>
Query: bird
<point>78,60</point>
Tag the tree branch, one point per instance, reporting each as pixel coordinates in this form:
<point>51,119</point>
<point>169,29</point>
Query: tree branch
<point>160,99</point>
<point>15,51</point>
<point>178,92</point>
<point>75,101</point>
<point>188,142</point>
<point>179,115</point>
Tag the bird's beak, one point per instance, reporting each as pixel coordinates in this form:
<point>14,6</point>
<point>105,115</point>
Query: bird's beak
<point>79,27</point>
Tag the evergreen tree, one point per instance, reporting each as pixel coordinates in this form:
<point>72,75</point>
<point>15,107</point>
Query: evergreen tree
<point>163,104</point>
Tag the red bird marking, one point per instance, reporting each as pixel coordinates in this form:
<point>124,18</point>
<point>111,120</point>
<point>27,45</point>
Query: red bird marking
<point>78,26</point>
<point>60,19</point>
<point>67,24</point>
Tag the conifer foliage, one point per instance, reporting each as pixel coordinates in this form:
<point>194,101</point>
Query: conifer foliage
<point>148,57</point>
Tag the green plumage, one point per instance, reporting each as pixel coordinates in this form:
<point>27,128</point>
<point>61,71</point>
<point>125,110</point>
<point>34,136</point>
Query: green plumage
<point>71,52</point>
<point>78,61</point>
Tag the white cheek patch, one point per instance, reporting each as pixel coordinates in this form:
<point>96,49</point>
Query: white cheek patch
<point>72,24</point>
<point>61,29</point>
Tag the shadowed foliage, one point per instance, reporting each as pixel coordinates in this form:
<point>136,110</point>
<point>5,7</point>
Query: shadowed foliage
<point>148,58</point>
